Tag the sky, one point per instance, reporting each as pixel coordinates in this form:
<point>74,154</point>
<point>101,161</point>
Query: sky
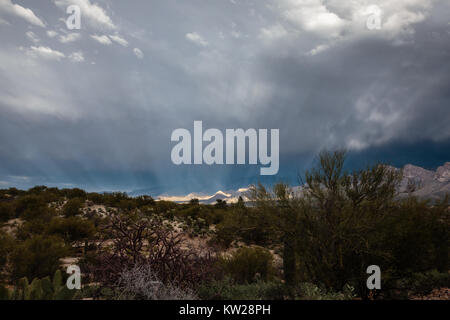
<point>95,107</point>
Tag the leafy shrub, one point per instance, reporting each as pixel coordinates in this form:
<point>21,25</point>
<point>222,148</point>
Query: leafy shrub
<point>423,282</point>
<point>37,257</point>
<point>5,294</point>
<point>30,228</point>
<point>32,207</point>
<point>6,245</point>
<point>309,291</point>
<point>416,227</point>
<point>74,193</point>
<point>249,264</point>
<point>344,222</point>
<point>72,207</point>
<point>96,198</point>
<point>6,211</point>
<point>227,290</point>
<point>71,229</point>
<point>250,225</point>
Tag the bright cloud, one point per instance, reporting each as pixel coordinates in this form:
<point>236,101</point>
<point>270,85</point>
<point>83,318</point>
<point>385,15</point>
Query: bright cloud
<point>333,20</point>
<point>45,52</point>
<point>102,39</point>
<point>19,11</point>
<point>119,40</point>
<point>94,14</point>
<point>76,56</point>
<point>138,52</point>
<point>276,31</point>
<point>52,33</point>
<point>194,37</point>
<point>71,37</point>
<point>313,16</point>
<point>32,36</point>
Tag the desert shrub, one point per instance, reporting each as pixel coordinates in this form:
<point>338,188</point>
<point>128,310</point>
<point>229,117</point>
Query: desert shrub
<point>71,229</point>
<point>250,225</point>
<point>96,198</point>
<point>46,194</point>
<point>417,227</point>
<point>225,235</point>
<point>30,228</point>
<point>37,257</point>
<point>142,201</point>
<point>37,190</point>
<point>113,199</point>
<point>226,289</point>
<point>41,213</point>
<point>417,283</point>
<point>73,193</point>
<point>162,207</point>
<point>13,192</point>
<point>6,211</point>
<point>310,291</point>
<point>216,216</point>
<point>196,226</point>
<point>141,283</point>
<point>249,264</point>
<point>148,240</point>
<point>6,245</point>
<point>342,222</point>
<point>340,218</point>
<point>72,207</point>
<point>30,206</point>
<point>5,293</point>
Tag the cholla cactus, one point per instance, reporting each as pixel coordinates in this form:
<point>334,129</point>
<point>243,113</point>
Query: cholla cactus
<point>142,283</point>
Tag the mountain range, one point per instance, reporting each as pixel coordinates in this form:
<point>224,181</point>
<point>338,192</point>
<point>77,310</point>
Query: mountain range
<point>420,182</point>
<point>425,184</point>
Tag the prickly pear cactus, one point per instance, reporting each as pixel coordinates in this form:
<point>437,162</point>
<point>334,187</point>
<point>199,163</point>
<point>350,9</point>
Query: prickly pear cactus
<point>4,293</point>
<point>47,288</point>
<point>24,289</point>
<point>36,292</point>
<point>39,289</point>
<point>57,279</point>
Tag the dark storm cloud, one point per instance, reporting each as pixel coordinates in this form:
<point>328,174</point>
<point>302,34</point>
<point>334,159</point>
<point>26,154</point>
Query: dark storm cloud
<point>97,109</point>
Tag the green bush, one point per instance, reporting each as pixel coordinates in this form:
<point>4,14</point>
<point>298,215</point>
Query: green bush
<point>31,207</point>
<point>5,294</point>
<point>6,245</point>
<point>72,207</point>
<point>96,198</point>
<point>37,257</point>
<point>6,211</point>
<point>73,193</point>
<point>249,264</point>
<point>309,291</point>
<point>347,221</point>
<point>71,229</point>
<point>226,290</point>
<point>422,282</point>
<point>30,228</point>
